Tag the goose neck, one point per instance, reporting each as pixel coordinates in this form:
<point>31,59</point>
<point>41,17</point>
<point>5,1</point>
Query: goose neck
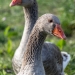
<point>33,47</point>
<point>31,15</point>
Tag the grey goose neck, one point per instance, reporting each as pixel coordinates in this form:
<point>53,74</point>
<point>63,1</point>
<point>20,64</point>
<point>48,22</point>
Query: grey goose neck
<point>31,15</point>
<point>34,46</point>
<point>32,63</point>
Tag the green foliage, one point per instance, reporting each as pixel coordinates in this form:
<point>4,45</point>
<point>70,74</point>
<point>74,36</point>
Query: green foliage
<point>61,43</point>
<point>3,73</point>
<point>9,32</point>
<point>67,13</point>
<point>8,46</point>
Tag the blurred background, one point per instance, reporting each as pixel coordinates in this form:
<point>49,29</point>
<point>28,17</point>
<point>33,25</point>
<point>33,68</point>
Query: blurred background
<point>12,24</point>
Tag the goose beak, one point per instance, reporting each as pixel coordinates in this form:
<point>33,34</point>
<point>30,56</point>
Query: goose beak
<point>59,32</point>
<point>15,2</point>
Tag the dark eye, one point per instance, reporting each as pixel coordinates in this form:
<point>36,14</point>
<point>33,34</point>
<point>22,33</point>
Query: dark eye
<point>50,20</point>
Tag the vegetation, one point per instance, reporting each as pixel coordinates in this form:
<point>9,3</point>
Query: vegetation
<point>12,24</point>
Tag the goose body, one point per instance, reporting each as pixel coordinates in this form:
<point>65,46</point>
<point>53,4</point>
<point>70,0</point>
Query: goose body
<point>31,15</point>
<point>32,62</point>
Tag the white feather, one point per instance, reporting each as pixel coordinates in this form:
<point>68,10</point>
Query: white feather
<point>66,59</point>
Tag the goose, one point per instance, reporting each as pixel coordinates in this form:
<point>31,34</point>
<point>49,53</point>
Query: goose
<point>31,15</point>
<point>32,62</point>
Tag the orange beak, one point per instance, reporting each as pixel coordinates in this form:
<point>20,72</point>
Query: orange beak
<point>59,32</point>
<point>15,2</point>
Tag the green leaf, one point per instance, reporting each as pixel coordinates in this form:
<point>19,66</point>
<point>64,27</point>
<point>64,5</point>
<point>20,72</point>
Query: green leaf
<point>61,43</point>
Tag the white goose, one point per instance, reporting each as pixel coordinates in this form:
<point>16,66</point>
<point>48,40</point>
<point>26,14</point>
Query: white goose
<point>31,14</point>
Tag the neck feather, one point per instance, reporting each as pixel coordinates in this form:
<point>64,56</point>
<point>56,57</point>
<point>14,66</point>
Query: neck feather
<point>31,15</point>
<point>34,46</point>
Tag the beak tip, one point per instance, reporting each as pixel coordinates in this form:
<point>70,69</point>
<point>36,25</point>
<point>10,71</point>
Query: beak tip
<point>64,37</point>
<point>11,4</point>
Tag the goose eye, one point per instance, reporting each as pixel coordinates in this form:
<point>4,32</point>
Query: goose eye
<point>50,21</point>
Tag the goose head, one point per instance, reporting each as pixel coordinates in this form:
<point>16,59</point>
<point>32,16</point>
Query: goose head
<point>50,24</point>
<point>25,3</point>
